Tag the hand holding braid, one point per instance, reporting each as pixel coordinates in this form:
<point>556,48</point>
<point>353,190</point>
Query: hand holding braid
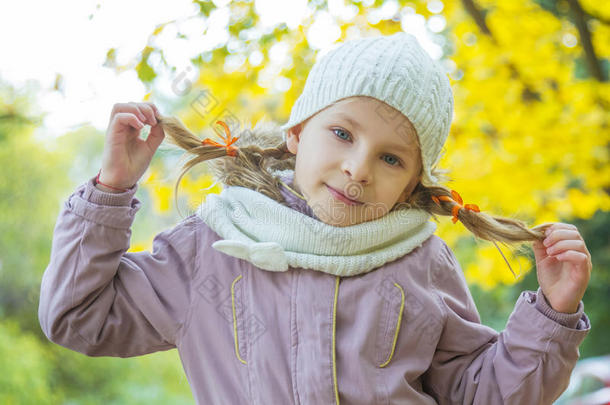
<point>126,156</point>
<point>563,265</point>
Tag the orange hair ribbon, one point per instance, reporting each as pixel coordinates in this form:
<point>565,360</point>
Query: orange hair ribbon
<point>457,199</point>
<point>229,141</point>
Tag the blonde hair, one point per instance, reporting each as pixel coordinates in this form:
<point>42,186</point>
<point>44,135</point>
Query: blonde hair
<point>262,150</point>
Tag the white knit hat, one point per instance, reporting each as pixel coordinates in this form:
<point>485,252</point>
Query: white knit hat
<point>393,69</point>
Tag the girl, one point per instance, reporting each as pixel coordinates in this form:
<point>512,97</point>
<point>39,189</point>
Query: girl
<point>315,277</point>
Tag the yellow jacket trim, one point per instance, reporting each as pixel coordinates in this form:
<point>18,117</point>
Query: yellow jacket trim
<point>337,279</point>
<point>235,319</point>
<point>402,305</point>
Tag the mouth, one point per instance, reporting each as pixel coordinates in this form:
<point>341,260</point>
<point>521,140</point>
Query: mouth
<point>341,197</point>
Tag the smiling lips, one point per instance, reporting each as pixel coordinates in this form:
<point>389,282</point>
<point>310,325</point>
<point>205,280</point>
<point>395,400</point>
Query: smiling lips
<point>341,197</point>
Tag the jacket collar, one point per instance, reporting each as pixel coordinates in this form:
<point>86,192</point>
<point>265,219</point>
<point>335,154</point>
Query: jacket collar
<point>293,201</point>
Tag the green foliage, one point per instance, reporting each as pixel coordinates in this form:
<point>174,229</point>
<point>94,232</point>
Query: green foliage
<point>157,378</point>
<point>145,72</point>
<point>31,181</point>
<point>27,368</point>
<point>205,7</point>
<point>581,70</point>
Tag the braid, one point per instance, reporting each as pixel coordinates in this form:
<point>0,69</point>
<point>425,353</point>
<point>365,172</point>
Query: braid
<point>482,225</point>
<point>261,150</point>
<point>253,166</point>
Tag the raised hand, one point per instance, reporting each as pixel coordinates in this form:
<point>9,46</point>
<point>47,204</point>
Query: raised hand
<point>563,266</point>
<point>126,156</point>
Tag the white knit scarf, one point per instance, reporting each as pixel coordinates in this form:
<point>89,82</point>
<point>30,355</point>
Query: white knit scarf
<point>273,236</point>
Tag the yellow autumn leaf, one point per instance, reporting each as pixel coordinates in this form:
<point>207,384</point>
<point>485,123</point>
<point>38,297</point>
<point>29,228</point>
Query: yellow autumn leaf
<point>489,268</point>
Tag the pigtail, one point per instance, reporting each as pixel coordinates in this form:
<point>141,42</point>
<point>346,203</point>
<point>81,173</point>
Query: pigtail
<point>257,153</point>
<point>482,225</point>
<point>485,226</point>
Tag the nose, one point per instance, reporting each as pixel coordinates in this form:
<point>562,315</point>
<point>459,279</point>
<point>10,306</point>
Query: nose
<point>357,169</point>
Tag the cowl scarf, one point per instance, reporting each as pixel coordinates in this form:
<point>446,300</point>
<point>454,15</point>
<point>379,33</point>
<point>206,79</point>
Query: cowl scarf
<point>274,236</point>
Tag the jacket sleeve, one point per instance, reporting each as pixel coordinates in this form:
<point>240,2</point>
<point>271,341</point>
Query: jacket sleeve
<point>529,362</point>
<point>101,301</point>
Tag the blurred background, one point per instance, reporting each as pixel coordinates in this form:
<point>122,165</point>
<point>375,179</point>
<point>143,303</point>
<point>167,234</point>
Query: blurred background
<point>530,140</point>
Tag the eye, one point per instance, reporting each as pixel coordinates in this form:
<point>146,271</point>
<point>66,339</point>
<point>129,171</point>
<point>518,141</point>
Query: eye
<point>393,160</point>
<point>341,130</point>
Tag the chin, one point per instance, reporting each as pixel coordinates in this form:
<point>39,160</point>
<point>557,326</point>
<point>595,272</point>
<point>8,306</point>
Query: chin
<point>345,218</point>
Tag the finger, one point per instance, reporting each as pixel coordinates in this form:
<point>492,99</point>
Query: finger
<point>143,115</point>
<point>538,245</point>
<point>149,112</point>
<point>574,257</point>
<point>539,251</point>
<point>128,108</point>
<point>155,137</point>
<point>562,225</point>
<point>560,234</point>
<point>117,108</point>
<point>128,119</point>
<point>543,226</point>
<point>155,109</point>
<point>564,245</point>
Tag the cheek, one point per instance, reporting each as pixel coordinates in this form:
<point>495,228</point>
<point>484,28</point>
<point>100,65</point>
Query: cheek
<point>304,172</point>
<point>315,159</point>
<point>326,157</point>
<point>394,190</point>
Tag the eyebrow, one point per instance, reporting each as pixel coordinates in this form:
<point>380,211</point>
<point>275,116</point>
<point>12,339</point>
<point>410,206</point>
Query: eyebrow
<point>349,119</point>
<point>356,124</point>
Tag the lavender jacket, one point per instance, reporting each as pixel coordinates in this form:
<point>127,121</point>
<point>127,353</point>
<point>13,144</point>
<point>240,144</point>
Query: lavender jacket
<point>406,333</point>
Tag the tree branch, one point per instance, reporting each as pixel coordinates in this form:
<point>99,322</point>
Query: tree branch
<point>585,38</point>
<point>478,17</point>
<point>601,19</point>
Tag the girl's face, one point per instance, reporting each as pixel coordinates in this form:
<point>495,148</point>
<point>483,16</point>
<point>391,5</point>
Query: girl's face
<point>360,147</point>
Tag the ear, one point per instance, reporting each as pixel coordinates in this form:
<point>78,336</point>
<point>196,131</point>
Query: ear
<point>293,137</point>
